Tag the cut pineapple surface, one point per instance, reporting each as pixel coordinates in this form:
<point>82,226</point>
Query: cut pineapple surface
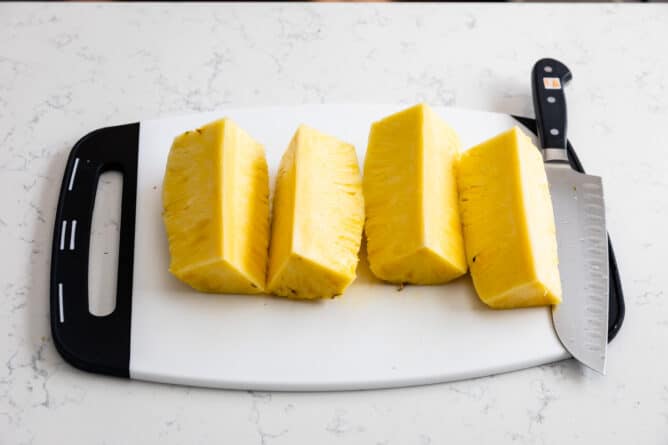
<point>318,216</point>
<point>413,228</point>
<point>508,223</point>
<point>216,209</point>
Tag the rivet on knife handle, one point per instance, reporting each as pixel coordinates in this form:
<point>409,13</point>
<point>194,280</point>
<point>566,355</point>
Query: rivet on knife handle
<point>548,78</point>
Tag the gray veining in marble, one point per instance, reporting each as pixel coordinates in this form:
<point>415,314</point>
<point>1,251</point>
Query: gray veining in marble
<point>67,69</point>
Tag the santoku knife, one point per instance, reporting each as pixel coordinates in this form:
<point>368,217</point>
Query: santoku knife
<point>581,320</point>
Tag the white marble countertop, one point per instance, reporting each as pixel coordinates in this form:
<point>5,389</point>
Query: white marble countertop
<point>67,69</point>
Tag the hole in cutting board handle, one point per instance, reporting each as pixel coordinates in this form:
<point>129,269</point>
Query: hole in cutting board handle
<point>104,244</point>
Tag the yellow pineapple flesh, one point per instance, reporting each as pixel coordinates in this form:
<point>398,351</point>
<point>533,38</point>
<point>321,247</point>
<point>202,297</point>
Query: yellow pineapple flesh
<point>318,216</point>
<point>216,209</point>
<point>413,229</point>
<point>508,223</point>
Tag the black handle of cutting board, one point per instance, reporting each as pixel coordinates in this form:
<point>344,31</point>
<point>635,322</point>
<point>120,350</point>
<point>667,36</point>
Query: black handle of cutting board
<point>548,78</point>
<point>616,308</point>
<point>89,342</point>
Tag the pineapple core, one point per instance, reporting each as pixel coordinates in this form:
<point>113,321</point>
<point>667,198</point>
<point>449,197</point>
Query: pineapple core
<point>318,216</point>
<point>216,209</point>
<point>413,229</point>
<point>508,223</point>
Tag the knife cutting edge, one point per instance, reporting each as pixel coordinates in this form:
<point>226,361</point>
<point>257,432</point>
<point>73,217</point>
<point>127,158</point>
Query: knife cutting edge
<point>581,320</point>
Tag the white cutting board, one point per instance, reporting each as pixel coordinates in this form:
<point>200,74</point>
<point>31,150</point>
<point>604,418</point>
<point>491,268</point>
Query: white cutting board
<point>374,336</point>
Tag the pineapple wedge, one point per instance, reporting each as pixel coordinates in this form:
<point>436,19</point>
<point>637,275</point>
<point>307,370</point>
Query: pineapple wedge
<point>318,216</point>
<point>508,222</point>
<point>413,229</point>
<point>216,209</point>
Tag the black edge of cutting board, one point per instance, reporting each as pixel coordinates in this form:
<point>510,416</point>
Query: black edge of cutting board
<point>616,308</point>
<point>99,344</point>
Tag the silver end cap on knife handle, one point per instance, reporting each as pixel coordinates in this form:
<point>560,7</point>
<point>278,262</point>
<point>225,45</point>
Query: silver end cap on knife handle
<point>555,155</point>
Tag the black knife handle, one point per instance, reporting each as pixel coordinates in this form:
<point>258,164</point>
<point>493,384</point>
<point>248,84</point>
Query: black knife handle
<point>548,78</point>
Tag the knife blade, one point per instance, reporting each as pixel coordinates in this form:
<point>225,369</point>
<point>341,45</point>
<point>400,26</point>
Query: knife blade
<point>581,320</point>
